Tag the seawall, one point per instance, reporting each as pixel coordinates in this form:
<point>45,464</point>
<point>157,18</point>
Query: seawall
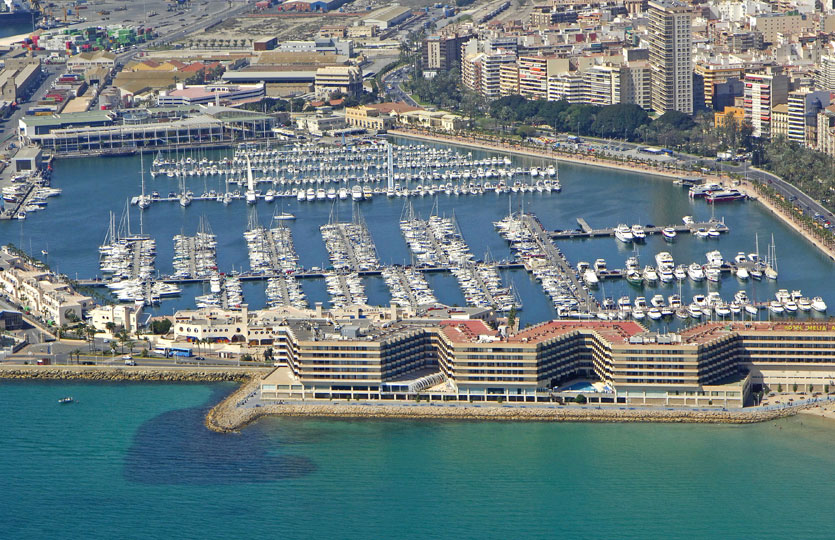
<point>227,418</point>
<point>137,374</point>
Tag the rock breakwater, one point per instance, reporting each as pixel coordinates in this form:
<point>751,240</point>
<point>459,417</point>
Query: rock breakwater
<point>230,418</point>
<point>116,374</point>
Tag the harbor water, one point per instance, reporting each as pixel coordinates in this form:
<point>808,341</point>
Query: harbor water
<point>134,461</point>
<point>74,224</point>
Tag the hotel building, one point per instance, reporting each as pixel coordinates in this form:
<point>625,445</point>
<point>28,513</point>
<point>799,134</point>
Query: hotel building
<point>455,355</point>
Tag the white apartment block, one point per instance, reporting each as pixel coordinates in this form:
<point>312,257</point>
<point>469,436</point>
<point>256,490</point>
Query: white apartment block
<point>762,92</point>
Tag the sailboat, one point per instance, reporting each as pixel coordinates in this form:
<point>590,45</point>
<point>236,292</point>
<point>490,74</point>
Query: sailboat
<point>144,201</point>
<point>771,261</point>
<point>251,197</point>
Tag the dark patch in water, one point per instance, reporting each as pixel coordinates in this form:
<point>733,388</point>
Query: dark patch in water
<point>176,448</point>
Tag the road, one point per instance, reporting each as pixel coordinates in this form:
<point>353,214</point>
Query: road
<point>804,202</point>
<point>392,82</point>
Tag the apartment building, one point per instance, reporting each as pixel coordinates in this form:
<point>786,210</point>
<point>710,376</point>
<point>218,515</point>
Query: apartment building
<point>570,86</point>
<point>441,53</point>
<point>481,72</point>
<point>41,292</point>
<point>761,93</point>
<point>825,75</point>
<point>534,72</point>
<point>509,79</point>
<point>803,108</point>
<point>708,75</point>
<point>772,25</point>
<point>780,120</point>
<point>670,42</point>
<point>636,84</point>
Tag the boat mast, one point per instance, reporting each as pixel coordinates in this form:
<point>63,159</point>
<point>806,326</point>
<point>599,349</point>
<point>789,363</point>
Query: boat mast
<point>142,197</point>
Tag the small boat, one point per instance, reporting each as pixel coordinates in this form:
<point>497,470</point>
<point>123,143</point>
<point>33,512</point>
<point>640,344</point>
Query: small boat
<point>66,400</point>
<point>638,233</point>
<point>818,304</point>
<point>669,234</point>
<point>623,233</point>
<point>284,216</point>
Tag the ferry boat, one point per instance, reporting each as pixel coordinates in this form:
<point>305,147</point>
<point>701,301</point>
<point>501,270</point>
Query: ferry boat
<point>668,233</point>
<point>726,195</point>
<point>66,400</point>
<point>703,190</point>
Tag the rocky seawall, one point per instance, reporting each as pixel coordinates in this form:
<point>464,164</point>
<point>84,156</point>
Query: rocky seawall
<point>228,418</point>
<point>116,374</point>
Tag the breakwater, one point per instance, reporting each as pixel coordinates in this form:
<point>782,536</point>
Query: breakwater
<point>229,416</point>
<point>226,417</point>
<point>136,374</point>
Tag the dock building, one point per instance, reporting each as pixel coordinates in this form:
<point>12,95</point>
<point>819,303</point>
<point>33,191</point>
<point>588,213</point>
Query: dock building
<point>103,130</point>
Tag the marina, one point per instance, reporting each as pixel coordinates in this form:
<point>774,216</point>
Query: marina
<point>195,257</point>
<point>268,267</point>
<point>358,171</point>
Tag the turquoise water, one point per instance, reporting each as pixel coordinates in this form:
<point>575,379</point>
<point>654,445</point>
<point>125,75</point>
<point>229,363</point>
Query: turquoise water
<point>134,461</point>
<point>76,222</point>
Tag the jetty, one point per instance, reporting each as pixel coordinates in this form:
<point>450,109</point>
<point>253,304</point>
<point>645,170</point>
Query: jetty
<point>587,231</point>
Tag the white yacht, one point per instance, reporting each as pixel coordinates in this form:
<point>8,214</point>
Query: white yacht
<point>623,233</point>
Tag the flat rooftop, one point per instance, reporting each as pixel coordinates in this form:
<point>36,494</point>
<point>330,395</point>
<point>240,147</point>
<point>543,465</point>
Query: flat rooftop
<point>466,331</point>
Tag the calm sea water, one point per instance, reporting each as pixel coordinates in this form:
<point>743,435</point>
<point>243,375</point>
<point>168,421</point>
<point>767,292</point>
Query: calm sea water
<point>134,461</point>
<point>14,28</point>
<point>76,222</point>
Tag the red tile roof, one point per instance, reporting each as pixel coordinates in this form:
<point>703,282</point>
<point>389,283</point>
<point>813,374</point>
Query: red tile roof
<point>613,331</point>
<point>467,330</point>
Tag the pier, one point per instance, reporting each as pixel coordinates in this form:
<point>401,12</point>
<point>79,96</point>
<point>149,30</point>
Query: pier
<point>533,247</point>
<point>195,256</point>
<point>586,231</point>
<point>350,246</point>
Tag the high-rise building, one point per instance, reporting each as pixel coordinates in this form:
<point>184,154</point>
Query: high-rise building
<point>482,72</point>
<point>509,79</point>
<point>825,76</point>
<point>534,72</point>
<point>636,84</point>
<point>440,53</point>
<point>572,87</point>
<point>709,74</point>
<point>670,54</point>
<point>803,108</point>
<point>762,92</point>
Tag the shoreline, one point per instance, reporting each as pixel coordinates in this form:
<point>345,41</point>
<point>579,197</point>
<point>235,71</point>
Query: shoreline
<point>132,374</point>
<point>535,153</point>
<point>228,416</point>
<point>591,161</point>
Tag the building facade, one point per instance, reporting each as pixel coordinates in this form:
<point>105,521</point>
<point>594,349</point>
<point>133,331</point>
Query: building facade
<point>670,56</point>
<point>762,92</point>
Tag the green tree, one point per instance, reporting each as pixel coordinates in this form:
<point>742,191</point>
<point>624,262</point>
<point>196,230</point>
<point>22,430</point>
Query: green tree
<point>161,326</point>
<point>619,121</point>
<point>580,399</point>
